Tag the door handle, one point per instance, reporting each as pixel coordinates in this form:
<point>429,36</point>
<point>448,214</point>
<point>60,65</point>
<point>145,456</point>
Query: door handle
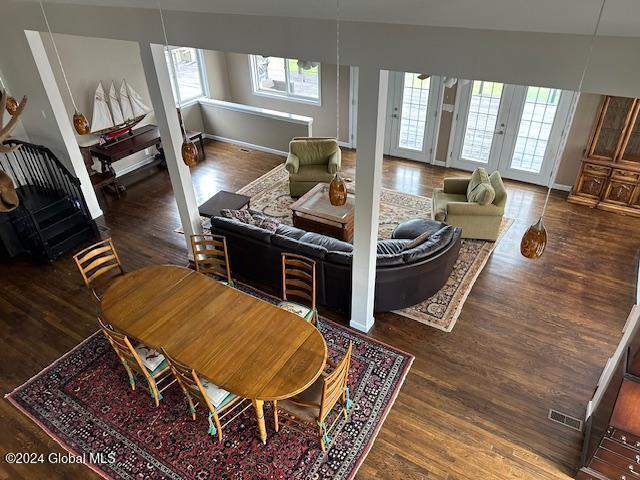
<point>499,132</point>
<point>395,115</point>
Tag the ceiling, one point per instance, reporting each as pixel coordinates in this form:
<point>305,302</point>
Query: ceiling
<point>620,17</point>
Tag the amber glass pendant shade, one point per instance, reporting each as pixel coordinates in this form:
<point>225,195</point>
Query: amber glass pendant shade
<point>337,191</point>
<point>189,153</point>
<point>80,123</point>
<point>12,106</point>
<point>534,240</point>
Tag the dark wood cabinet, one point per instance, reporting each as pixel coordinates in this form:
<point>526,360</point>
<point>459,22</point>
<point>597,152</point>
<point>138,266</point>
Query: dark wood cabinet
<point>609,176</point>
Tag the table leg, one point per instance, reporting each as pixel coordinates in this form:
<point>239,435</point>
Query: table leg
<point>258,405</point>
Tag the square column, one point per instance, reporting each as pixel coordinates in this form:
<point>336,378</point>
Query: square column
<point>164,106</point>
<point>62,121</point>
<point>372,107</point>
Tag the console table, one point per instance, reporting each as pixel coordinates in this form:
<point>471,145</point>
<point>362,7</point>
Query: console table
<point>128,144</point>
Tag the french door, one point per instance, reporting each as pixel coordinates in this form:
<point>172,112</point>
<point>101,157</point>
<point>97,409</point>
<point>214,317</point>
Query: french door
<point>413,113</point>
<point>511,128</point>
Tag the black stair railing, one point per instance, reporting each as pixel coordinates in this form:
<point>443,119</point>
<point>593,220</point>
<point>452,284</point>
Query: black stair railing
<point>35,167</point>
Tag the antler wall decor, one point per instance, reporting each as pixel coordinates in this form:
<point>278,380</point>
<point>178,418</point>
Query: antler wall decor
<point>5,130</point>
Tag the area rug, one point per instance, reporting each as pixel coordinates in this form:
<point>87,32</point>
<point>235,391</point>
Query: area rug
<point>84,402</point>
<point>270,195</point>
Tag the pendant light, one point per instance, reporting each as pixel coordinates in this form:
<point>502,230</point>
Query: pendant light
<point>12,103</point>
<point>80,122</point>
<point>534,240</point>
<point>338,187</point>
<point>189,149</point>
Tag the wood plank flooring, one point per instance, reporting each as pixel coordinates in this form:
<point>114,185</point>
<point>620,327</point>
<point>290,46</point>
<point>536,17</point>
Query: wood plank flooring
<point>532,334</point>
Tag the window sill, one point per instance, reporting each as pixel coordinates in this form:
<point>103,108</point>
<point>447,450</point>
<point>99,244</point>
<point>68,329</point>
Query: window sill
<point>264,112</point>
<point>287,98</point>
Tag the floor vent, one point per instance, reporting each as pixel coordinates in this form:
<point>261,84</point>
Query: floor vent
<point>564,419</point>
<point>245,150</point>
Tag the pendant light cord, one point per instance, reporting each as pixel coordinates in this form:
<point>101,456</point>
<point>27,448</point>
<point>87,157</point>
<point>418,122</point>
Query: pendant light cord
<point>337,70</point>
<point>556,164</point>
<point>55,48</point>
<point>173,68</point>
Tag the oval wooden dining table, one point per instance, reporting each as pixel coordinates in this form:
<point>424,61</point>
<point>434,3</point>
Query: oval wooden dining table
<point>243,344</point>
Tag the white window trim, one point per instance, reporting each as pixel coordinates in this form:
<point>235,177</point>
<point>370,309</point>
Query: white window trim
<point>203,79</point>
<point>283,96</point>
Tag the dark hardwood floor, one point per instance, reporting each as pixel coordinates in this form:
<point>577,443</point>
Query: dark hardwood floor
<point>532,334</point>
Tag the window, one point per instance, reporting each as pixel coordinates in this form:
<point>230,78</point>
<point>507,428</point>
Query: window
<point>286,77</point>
<point>189,74</point>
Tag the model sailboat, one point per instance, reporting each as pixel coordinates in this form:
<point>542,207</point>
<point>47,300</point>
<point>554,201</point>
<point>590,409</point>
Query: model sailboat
<point>114,114</point>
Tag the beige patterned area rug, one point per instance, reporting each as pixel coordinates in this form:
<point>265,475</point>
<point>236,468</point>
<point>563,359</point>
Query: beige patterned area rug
<point>270,195</point>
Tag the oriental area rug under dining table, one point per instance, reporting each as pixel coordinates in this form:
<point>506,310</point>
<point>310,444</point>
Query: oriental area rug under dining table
<point>84,402</point>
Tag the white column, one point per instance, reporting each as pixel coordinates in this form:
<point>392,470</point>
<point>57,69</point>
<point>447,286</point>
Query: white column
<point>158,81</point>
<point>62,121</point>
<point>372,107</point>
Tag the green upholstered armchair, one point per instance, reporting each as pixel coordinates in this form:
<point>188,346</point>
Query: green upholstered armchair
<point>311,160</point>
<point>450,205</point>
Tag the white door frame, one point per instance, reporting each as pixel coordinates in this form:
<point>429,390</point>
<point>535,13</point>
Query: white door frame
<point>508,122</point>
<point>353,106</point>
<point>433,115</point>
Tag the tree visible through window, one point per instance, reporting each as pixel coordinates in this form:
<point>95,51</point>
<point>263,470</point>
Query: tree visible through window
<point>189,74</point>
<point>286,77</point>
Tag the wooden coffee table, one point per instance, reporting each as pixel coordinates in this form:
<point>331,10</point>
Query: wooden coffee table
<point>222,200</point>
<point>314,212</point>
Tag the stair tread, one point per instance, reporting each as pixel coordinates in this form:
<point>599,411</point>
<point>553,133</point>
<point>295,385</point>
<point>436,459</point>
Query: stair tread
<point>68,234</point>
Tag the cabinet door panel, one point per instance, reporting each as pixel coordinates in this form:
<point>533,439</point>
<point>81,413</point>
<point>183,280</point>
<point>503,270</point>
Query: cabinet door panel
<point>631,145</point>
<point>591,185</point>
<point>611,127</point>
<point>619,192</point>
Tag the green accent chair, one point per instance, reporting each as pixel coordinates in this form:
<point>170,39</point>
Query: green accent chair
<point>311,160</point>
<point>450,205</point>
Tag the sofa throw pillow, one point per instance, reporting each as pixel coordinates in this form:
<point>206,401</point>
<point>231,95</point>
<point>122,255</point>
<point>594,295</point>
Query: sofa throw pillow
<point>480,189</point>
<point>419,240</point>
<point>251,218</point>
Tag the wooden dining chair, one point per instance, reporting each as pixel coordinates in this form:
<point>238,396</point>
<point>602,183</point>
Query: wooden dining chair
<point>97,260</point>
<point>221,404</point>
<point>312,407</point>
<point>299,286</point>
<point>139,358</point>
<point>210,256</point>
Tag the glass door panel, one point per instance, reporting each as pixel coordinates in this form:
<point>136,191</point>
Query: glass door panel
<point>413,114</point>
<point>537,118</point>
<point>631,152</point>
<point>413,104</point>
<point>481,121</point>
<point>612,127</point>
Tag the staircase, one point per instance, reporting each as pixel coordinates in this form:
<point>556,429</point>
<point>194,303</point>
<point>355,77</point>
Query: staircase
<point>53,217</point>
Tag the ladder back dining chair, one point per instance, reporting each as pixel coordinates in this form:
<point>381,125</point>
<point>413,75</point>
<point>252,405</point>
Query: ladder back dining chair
<point>210,256</point>
<point>97,260</point>
<point>220,403</point>
<point>311,408</point>
<point>139,358</point>
<point>299,286</point>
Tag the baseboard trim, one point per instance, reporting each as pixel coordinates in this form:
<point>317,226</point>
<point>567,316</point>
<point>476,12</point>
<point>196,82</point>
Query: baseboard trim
<point>145,161</point>
<point>564,188</point>
<point>246,144</point>
<point>440,163</point>
<point>345,144</point>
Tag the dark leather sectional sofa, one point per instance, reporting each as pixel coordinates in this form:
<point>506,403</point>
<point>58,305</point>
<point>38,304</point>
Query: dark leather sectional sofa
<point>404,277</point>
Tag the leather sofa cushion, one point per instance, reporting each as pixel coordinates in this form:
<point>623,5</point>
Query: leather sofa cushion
<point>413,228</point>
<point>290,231</point>
<point>340,258</point>
<point>298,246</point>
<point>240,228</point>
<point>432,246</point>
<point>391,246</point>
<point>330,243</point>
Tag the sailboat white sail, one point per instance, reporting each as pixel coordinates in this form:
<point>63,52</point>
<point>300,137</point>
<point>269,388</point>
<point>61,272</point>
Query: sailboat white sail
<point>114,103</point>
<point>125,102</point>
<point>101,114</point>
<point>138,106</point>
